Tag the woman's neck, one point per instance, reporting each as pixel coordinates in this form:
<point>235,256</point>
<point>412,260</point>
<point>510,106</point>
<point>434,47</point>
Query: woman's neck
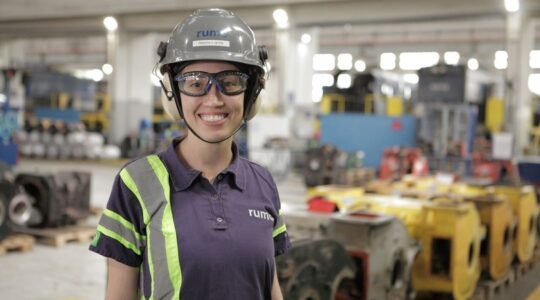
<point>208,158</point>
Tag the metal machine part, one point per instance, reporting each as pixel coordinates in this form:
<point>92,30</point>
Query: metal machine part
<point>525,207</point>
<point>314,270</point>
<point>450,233</point>
<point>324,165</point>
<point>382,250</point>
<point>57,199</point>
<point>496,251</point>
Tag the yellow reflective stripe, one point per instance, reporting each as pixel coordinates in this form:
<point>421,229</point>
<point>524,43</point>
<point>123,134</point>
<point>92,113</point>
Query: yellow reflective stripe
<point>168,228</point>
<point>111,214</point>
<point>279,230</point>
<point>128,181</point>
<point>119,239</point>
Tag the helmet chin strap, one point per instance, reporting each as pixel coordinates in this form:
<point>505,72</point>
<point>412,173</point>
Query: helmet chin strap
<point>215,142</point>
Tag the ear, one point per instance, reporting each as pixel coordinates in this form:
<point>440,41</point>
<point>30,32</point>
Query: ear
<point>253,109</point>
<point>167,99</point>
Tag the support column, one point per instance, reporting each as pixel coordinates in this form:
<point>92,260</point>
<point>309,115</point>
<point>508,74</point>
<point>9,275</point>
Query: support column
<point>134,57</point>
<point>520,42</point>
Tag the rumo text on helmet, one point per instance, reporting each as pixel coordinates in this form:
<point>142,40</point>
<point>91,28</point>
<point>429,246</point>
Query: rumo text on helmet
<point>209,33</point>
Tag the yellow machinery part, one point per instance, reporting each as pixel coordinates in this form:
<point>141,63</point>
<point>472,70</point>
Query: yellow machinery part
<point>523,202</point>
<point>495,214</point>
<point>332,103</point>
<point>450,234</point>
<point>369,104</point>
<point>342,196</point>
<point>394,106</point>
<point>494,114</point>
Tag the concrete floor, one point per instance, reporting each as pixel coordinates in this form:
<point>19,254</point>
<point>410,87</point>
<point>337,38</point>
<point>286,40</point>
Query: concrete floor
<point>72,272</point>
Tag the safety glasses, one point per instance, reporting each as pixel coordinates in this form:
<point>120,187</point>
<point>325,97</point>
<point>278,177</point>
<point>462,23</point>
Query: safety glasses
<point>198,83</point>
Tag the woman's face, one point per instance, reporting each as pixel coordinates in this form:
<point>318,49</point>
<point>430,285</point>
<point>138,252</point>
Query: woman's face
<point>213,116</point>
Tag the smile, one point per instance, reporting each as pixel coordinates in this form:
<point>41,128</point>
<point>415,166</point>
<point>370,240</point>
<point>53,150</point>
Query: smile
<point>213,118</point>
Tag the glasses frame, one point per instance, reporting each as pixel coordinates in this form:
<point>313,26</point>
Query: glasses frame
<point>214,78</point>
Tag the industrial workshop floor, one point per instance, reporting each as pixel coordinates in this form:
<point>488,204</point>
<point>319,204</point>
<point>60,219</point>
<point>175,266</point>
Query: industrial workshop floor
<point>71,272</point>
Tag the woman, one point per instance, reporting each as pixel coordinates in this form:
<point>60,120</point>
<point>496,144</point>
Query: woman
<point>197,221</point>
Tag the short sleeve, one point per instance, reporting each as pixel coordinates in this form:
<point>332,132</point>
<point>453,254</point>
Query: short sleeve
<point>120,233</point>
<point>281,237</point>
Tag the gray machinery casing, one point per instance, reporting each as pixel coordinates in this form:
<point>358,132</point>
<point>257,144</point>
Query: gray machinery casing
<point>58,199</point>
<point>379,245</point>
<point>383,247</point>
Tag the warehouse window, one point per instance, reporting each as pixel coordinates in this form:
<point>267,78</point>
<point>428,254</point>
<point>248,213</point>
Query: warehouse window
<point>416,60</point>
<point>388,61</point>
<point>534,59</point>
<point>324,62</point>
<point>451,58</point>
<point>344,81</point>
<point>344,61</point>
<point>534,83</point>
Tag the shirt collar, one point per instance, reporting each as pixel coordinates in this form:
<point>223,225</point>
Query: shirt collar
<point>182,176</point>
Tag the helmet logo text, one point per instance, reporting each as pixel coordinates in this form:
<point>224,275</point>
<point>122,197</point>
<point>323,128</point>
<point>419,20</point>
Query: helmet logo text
<point>209,33</point>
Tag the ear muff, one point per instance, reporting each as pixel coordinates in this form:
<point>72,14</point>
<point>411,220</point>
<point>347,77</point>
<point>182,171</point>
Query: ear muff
<point>169,104</point>
<point>253,109</point>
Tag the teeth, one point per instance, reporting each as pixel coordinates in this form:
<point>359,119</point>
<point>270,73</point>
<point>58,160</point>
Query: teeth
<point>212,118</point>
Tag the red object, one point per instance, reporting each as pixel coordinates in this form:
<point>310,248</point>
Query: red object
<point>397,125</point>
<point>397,162</point>
<point>321,204</point>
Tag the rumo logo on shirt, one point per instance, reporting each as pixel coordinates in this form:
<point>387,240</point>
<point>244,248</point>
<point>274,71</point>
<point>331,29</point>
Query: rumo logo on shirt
<point>260,214</point>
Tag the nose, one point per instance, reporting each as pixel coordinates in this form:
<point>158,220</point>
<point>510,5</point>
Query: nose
<point>213,97</point>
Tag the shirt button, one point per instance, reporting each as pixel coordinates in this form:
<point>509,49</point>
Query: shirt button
<point>219,220</point>
<point>219,177</point>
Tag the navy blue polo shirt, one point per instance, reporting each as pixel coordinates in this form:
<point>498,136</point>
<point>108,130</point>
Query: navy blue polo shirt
<point>224,230</point>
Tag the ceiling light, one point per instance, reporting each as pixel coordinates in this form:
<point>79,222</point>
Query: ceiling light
<point>344,81</point>
<point>511,5</point>
<point>388,61</point>
<point>360,65</point>
<point>501,60</point>
<point>472,63</point>
<point>451,58</point>
<point>107,69</point>
<point>306,38</point>
<point>110,23</point>
<point>281,18</point>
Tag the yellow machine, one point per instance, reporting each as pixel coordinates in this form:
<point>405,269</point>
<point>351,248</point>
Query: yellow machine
<point>332,102</point>
<point>494,114</point>
<point>449,232</point>
<point>98,120</point>
<point>394,106</point>
<point>525,207</point>
<point>496,215</point>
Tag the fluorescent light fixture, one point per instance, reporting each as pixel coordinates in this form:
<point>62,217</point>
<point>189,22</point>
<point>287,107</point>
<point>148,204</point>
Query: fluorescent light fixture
<point>324,62</point>
<point>320,80</point>
<point>388,61</point>
<point>534,83</point>
<point>281,18</point>
<point>306,38</point>
<point>472,64</point>
<point>110,23</point>
<point>360,65</point>
<point>344,61</point>
<point>344,81</point>
<point>316,95</point>
<point>534,59</point>
<point>3,98</point>
<point>107,69</point>
<point>511,5</point>
<point>451,58</point>
<point>411,78</point>
<point>412,61</point>
<point>501,60</point>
